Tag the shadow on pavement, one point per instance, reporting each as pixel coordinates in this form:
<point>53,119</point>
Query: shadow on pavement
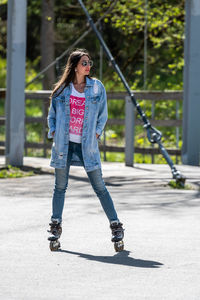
<point>121,258</point>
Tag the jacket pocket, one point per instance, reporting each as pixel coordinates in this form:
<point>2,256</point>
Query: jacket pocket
<point>54,154</point>
<point>95,99</point>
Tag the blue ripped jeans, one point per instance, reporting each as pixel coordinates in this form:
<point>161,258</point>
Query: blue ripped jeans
<point>96,180</point>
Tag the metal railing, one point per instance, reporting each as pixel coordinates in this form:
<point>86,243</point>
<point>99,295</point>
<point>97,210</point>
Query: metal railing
<point>152,96</point>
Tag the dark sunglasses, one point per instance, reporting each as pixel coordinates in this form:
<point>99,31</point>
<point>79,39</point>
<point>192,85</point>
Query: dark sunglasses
<point>85,63</point>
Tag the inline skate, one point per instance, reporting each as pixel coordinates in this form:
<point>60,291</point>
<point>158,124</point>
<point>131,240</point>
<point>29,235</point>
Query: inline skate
<point>117,235</point>
<point>55,230</point>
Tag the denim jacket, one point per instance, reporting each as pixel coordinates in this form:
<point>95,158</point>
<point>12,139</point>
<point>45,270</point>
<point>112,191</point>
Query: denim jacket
<point>95,118</point>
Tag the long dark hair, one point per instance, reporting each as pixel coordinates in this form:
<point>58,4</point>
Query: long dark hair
<point>69,71</point>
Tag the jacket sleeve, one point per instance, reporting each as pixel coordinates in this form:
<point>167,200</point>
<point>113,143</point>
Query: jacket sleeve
<point>51,119</point>
<point>103,112</point>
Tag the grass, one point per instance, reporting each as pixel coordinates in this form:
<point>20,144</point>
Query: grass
<point>14,172</point>
<point>177,185</point>
<point>138,158</point>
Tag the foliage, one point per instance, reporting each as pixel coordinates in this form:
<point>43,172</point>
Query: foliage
<point>3,72</point>
<point>165,40</point>
<point>14,172</point>
<point>123,31</point>
<point>176,185</point>
<point>30,74</point>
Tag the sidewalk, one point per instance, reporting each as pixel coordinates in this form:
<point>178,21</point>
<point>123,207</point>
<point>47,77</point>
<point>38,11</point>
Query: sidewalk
<point>162,241</point>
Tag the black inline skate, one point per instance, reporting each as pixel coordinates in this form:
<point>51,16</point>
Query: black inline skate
<point>55,230</point>
<point>117,235</point>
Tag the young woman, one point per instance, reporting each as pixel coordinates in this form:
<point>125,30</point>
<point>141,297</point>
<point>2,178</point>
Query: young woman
<point>77,116</point>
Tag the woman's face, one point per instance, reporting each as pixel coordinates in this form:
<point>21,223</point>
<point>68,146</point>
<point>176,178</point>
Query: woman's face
<point>81,68</point>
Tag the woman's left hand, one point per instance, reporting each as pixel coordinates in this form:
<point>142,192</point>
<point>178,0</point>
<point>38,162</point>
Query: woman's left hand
<point>97,135</point>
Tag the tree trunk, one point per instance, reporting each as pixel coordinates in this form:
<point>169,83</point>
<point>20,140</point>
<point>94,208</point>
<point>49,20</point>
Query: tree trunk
<point>47,43</point>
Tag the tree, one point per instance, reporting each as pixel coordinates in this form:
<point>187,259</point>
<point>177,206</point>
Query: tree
<point>47,42</point>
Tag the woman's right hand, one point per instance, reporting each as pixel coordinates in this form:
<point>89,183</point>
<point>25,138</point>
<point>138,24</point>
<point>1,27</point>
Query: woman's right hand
<point>53,133</point>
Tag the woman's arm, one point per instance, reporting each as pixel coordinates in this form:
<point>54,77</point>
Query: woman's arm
<point>51,119</point>
<point>103,113</point>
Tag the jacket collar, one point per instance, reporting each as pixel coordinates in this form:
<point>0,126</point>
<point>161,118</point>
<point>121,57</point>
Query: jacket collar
<point>89,81</point>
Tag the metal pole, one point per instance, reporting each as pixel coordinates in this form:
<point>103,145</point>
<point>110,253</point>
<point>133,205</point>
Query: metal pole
<point>129,132</point>
<point>145,45</point>
<point>153,117</point>
<point>177,128</point>
<point>191,105</point>
<point>15,97</point>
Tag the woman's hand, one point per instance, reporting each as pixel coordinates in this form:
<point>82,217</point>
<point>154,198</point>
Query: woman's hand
<point>53,133</point>
<point>97,135</point>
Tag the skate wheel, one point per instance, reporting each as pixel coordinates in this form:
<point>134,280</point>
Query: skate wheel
<point>119,246</point>
<point>54,245</point>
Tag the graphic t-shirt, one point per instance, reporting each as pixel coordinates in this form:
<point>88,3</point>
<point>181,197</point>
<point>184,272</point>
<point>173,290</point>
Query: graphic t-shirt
<point>77,109</point>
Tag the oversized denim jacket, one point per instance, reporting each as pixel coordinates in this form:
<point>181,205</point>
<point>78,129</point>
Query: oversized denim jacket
<point>95,118</point>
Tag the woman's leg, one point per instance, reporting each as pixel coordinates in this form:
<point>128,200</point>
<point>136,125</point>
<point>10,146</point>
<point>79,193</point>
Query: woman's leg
<point>61,183</point>
<point>99,187</point>
<point>101,191</point>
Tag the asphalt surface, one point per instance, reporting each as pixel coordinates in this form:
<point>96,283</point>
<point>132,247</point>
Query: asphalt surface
<point>161,259</point>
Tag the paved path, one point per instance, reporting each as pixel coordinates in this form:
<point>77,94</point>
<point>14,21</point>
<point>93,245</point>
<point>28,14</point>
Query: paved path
<point>162,238</point>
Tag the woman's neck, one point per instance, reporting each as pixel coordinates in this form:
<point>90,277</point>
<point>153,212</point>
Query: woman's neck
<point>79,79</point>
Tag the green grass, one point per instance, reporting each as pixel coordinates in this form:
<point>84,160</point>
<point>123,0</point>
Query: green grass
<point>138,158</point>
<point>113,157</point>
<point>177,185</point>
<point>14,172</point>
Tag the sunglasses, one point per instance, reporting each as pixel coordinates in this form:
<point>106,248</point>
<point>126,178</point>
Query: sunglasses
<point>85,63</point>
